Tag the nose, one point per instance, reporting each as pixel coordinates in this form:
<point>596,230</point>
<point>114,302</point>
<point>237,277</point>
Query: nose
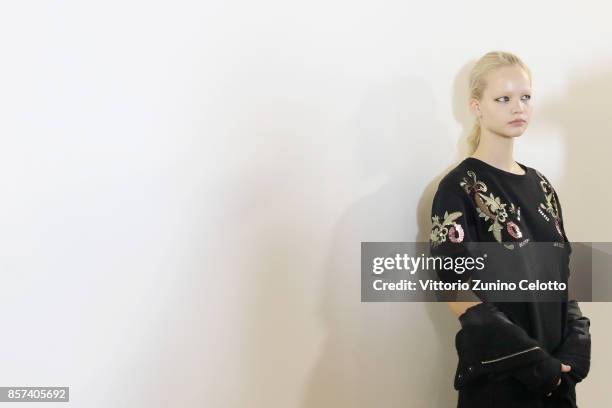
<point>518,107</point>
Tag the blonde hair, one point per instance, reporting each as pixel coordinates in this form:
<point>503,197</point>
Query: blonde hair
<point>486,64</point>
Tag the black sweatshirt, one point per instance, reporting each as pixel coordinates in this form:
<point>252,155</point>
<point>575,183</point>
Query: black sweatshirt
<point>477,202</point>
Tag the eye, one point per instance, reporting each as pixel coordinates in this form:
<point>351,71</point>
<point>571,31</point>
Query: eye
<point>506,99</point>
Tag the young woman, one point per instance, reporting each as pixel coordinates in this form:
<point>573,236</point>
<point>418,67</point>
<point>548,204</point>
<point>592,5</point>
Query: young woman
<point>511,354</point>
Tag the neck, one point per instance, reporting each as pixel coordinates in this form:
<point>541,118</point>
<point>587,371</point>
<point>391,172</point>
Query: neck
<point>497,151</point>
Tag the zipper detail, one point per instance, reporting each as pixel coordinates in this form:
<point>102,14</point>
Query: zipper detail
<point>510,355</point>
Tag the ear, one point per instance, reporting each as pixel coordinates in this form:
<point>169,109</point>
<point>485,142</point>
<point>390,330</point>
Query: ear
<point>475,107</point>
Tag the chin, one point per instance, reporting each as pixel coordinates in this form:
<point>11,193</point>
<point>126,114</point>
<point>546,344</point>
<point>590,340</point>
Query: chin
<point>510,135</point>
<point>513,132</point>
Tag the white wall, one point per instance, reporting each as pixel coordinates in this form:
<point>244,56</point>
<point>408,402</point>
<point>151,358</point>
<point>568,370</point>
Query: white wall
<point>185,186</point>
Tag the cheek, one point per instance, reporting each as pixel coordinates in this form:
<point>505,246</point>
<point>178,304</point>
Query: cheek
<point>497,113</point>
<point>491,111</point>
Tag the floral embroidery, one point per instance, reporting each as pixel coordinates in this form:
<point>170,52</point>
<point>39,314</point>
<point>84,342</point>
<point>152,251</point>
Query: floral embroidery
<point>514,230</point>
<point>515,210</point>
<point>440,230</point>
<point>456,234</point>
<point>491,208</point>
<point>550,206</point>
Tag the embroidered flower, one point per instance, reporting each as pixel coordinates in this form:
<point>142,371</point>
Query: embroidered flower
<point>514,230</point>
<point>489,207</point>
<point>456,233</point>
<point>440,230</point>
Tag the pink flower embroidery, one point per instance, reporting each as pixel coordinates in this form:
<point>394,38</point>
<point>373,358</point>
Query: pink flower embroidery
<point>513,230</point>
<point>456,234</point>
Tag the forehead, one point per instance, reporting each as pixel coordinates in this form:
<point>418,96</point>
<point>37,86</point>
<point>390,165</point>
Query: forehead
<point>508,79</point>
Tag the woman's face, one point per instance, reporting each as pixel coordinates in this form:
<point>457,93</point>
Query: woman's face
<point>505,99</point>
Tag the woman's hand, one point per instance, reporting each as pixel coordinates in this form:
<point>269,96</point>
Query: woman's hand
<point>564,369</point>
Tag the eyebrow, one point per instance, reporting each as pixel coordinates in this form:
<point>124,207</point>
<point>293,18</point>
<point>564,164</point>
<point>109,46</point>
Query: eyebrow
<point>521,91</point>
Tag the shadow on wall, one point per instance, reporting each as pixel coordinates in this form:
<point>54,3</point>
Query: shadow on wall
<point>388,354</point>
<point>581,112</point>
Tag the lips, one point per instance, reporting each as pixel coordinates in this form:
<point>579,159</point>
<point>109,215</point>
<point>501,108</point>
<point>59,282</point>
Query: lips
<point>518,121</point>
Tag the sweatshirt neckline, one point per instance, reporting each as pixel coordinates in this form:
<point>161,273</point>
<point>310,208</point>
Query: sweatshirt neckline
<point>500,171</point>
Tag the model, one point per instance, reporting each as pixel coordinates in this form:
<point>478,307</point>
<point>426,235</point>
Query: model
<point>511,354</point>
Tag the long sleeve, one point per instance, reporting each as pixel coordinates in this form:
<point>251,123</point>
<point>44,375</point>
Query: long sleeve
<point>575,346</point>
<point>490,344</point>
